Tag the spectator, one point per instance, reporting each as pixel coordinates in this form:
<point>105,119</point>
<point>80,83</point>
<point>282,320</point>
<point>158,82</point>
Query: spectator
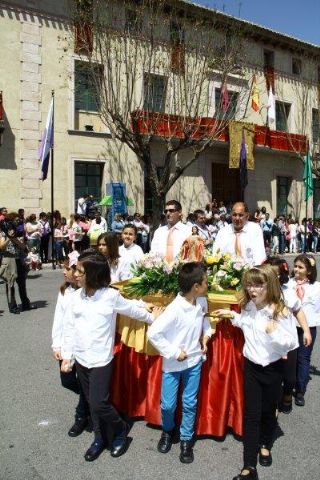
<point>117,224</point>
<point>204,232</point>
<point>82,204</point>
<point>275,234</point>
<point>266,225</point>
<point>45,237</point>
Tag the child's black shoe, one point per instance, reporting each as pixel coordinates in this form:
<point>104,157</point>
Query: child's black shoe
<point>165,442</point>
<point>252,475</point>
<point>186,451</point>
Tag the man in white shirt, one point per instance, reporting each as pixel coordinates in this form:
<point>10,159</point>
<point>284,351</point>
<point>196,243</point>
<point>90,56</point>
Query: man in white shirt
<point>168,239</point>
<point>242,238</point>
<point>82,204</point>
<point>203,231</point>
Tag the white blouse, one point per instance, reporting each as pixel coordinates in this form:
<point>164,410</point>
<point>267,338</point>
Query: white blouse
<point>310,303</point>
<point>131,255</point>
<point>90,324</point>
<point>120,271</point>
<point>260,347</point>
<point>178,328</point>
<point>58,320</point>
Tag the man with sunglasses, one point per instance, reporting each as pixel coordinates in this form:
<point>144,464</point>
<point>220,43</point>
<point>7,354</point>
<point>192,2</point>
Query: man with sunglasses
<point>168,239</point>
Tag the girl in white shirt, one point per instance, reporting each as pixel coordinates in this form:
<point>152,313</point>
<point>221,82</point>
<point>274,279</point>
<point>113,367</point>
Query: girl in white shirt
<point>89,332</point>
<point>69,380</point>
<point>130,251</point>
<point>269,335</point>
<point>281,269</point>
<point>307,289</point>
<point>120,268</point>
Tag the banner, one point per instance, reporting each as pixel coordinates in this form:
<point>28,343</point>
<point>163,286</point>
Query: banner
<point>235,141</point>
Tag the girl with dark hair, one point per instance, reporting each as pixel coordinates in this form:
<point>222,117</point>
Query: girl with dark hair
<point>88,338</point>
<point>108,246</point>
<point>304,285</point>
<point>281,269</point>
<point>269,335</point>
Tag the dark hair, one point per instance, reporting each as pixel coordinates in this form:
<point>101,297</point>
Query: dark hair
<point>96,269</point>
<point>198,212</point>
<point>310,263</point>
<point>283,268</point>
<point>175,203</point>
<point>190,273</point>
<point>112,242</point>
<point>245,206</point>
<point>133,227</point>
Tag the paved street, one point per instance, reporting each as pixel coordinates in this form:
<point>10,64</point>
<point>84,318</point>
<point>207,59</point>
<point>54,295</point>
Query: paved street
<point>36,413</point>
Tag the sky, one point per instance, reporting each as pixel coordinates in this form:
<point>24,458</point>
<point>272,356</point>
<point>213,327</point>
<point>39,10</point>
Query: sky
<point>297,18</point>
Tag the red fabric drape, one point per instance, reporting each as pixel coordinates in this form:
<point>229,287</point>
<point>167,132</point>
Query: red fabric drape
<point>136,384</point>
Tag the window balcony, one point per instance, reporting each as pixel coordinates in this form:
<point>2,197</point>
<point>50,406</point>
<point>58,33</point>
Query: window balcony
<point>166,125</point>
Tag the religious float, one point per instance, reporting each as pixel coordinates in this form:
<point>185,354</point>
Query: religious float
<point>137,365</point>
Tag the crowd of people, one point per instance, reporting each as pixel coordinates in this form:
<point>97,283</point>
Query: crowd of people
<point>279,317</point>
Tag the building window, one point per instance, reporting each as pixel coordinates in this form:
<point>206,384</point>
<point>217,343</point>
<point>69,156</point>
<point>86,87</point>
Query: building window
<point>133,23</point>
<point>86,86</point>
<point>315,125</point>
<point>226,108</point>
<point>83,35</point>
<point>296,66</point>
<point>155,88</point>
<point>282,116</point>
<point>268,58</point>
<point>87,179</point>
<point>283,190</point>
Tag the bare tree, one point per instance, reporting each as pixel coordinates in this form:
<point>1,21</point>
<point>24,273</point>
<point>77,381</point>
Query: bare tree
<point>156,84</point>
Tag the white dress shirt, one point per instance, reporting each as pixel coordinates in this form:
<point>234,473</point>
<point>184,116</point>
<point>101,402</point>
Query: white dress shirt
<point>251,241</point>
<point>260,347</point>
<point>310,304</point>
<point>58,320</point>
<point>121,270</point>
<point>159,241</point>
<point>131,254</point>
<point>178,328</point>
<point>90,324</point>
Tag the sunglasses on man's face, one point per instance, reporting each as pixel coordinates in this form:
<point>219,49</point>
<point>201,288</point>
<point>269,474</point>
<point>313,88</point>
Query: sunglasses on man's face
<point>170,210</point>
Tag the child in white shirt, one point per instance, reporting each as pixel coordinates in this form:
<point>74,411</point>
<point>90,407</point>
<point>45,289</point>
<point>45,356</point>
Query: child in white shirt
<point>130,251</point>
<point>181,334</point>
<point>88,337</point>
<point>269,334</point>
<point>108,245</point>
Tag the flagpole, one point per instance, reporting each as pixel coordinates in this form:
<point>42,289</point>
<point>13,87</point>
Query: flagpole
<point>52,185</point>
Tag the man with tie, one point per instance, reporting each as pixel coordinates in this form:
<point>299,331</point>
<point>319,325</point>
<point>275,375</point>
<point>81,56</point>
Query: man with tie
<point>241,237</point>
<point>167,240</point>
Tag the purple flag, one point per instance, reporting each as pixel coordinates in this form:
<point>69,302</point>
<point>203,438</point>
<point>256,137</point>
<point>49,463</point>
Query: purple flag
<point>243,163</point>
<point>46,143</point>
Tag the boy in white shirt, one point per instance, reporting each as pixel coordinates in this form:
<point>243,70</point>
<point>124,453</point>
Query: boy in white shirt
<point>181,334</point>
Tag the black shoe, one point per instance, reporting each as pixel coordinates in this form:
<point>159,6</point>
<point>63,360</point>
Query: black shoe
<point>15,310</point>
<point>299,400</point>
<point>78,426</point>
<point>265,460</point>
<point>93,452</point>
<point>285,407</point>
<point>165,442</point>
<point>24,308</point>
<point>120,443</point>
<point>252,475</point>
<point>186,451</point>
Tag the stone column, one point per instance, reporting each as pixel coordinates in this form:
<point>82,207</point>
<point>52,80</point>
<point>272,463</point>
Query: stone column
<point>30,100</point>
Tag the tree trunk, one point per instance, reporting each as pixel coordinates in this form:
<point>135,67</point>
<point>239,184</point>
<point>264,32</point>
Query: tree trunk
<point>158,202</point>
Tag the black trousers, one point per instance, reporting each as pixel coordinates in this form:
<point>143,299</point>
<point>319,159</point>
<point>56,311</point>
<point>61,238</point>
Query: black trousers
<point>22,287</point>
<point>95,383</point>
<point>262,388</point>
<point>44,248</point>
<point>71,382</point>
<point>289,372</point>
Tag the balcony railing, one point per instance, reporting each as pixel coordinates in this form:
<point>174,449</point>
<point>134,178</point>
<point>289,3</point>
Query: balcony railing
<point>166,125</point>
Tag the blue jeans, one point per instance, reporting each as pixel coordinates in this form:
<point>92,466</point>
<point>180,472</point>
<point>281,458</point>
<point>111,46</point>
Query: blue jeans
<point>190,386</point>
<point>303,360</point>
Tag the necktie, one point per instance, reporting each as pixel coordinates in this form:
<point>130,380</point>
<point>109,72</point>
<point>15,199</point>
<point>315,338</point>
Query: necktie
<point>169,251</point>
<point>300,290</point>
<point>237,245</point>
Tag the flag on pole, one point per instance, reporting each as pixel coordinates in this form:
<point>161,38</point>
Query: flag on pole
<point>307,176</point>
<point>225,97</point>
<point>255,95</point>
<point>271,108</point>
<point>46,143</point>
<point>243,163</point>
